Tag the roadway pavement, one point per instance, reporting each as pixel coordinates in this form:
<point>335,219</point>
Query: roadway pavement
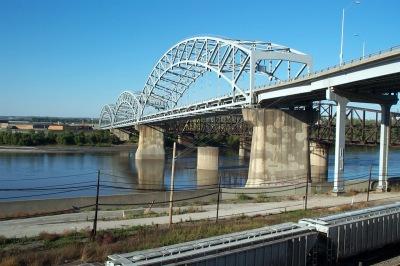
<point>114,219</point>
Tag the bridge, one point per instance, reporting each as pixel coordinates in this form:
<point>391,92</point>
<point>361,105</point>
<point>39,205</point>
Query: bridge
<point>274,87</point>
<point>362,125</point>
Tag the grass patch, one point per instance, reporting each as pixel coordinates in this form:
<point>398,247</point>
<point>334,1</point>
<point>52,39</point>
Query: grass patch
<point>244,197</point>
<point>55,249</point>
<point>135,214</point>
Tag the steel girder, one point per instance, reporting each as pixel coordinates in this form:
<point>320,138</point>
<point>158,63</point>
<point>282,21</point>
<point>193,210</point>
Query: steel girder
<point>237,62</point>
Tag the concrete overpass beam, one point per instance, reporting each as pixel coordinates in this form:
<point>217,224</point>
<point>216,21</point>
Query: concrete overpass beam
<point>384,148</point>
<point>279,146</point>
<point>340,137</point>
<point>151,143</point>
<point>207,165</point>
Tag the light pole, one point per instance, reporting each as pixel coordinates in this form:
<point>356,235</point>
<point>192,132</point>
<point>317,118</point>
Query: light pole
<point>363,45</point>
<point>342,34</point>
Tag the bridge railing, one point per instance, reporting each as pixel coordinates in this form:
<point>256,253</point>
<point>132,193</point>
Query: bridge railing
<point>336,66</point>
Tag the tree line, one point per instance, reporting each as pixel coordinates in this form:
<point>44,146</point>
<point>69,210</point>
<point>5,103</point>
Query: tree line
<point>96,137</point>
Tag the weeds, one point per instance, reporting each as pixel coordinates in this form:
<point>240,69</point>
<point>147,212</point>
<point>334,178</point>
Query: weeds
<point>74,246</point>
<point>244,197</point>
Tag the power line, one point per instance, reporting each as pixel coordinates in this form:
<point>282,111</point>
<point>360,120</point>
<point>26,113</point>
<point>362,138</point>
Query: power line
<point>41,178</point>
<point>46,189</point>
<point>158,202</point>
<point>44,194</point>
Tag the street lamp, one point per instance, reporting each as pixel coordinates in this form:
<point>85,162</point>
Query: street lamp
<point>341,40</point>
<point>363,44</point>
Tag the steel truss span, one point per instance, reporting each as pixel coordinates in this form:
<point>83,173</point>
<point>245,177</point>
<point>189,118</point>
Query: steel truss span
<point>240,63</point>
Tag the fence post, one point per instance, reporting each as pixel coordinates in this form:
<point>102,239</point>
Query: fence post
<point>306,197</point>
<point>94,230</point>
<point>171,193</point>
<point>369,182</point>
<point>218,199</point>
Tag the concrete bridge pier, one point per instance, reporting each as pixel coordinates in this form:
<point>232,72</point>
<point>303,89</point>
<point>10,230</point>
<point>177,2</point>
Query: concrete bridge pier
<point>279,145</point>
<point>151,143</point>
<point>319,155</point>
<point>384,148</point>
<point>121,134</point>
<point>341,102</point>
<point>207,165</point>
<point>244,148</point>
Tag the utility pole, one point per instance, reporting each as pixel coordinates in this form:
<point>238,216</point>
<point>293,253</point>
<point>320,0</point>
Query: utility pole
<point>218,199</point>
<point>171,193</point>
<point>94,230</point>
<point>341,40</point>
<point>308,178</point>
<point>342,31</point>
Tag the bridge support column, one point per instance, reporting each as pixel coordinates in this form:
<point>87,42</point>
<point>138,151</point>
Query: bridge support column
<point>279,145</point>
<point>207,165</point>
<point>341,103</point>
<point>243,148</point>
<point>121,135</point>
<point>319,154</point>
<point>384,148</point>
<point>151,143</point>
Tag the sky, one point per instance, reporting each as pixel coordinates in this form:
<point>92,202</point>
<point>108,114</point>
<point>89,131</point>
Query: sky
<point>68,57</point>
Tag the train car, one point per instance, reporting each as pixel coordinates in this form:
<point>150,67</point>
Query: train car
<point>283,244</point>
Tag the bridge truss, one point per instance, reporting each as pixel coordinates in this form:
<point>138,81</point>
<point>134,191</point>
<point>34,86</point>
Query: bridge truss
<point>362,125</point>
<point>240,63</point>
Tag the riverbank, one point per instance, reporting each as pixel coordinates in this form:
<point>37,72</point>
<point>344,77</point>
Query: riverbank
<point>27,208</point>
<point>66,149</point>
<point>71,242</point>
<point>119,219</point>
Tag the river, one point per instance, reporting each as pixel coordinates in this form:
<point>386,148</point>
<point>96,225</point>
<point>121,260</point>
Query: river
<point>25,176</point>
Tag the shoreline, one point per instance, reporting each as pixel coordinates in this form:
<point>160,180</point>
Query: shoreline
<point>65,149</point>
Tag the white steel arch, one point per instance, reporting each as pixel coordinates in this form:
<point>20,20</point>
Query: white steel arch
<point>106,119</point>
<point>126,108</point>
<point>237,62</point>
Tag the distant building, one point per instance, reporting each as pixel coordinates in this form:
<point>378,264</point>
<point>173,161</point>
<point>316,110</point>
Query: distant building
<point>23,126</point>
<point>56,128</point>
<point>3,124</point>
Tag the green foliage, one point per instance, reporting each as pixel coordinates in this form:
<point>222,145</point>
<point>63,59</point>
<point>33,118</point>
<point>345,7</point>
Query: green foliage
<point>244,197</point>
<point>232,141</point>
<point>96,137</point>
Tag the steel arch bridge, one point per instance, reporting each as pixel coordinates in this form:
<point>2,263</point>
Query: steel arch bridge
<point>240,63</point>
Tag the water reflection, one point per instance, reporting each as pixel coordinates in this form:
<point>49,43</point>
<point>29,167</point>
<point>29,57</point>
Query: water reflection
<point>121,169</point>
<point>150,173</point>
<point>206,178</point>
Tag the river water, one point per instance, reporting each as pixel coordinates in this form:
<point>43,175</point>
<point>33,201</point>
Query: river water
<point>25,176</point>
